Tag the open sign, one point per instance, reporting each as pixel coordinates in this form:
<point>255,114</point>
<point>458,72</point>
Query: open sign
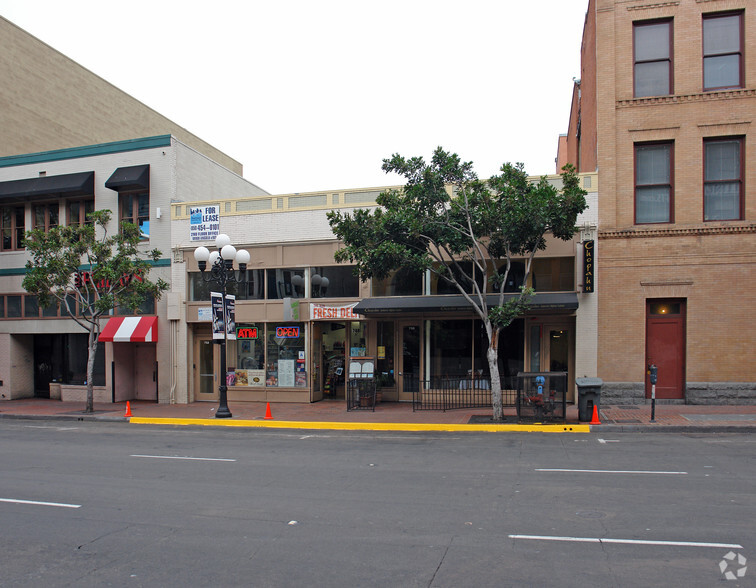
<point>287,332</point>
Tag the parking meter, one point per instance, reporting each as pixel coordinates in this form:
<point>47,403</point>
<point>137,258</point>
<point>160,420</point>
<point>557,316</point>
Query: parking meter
<point>652,371</point>
<point>540,381</point>
<point>652,376</point>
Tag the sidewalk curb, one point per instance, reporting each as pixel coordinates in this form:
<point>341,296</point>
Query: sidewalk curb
<point>363,426</point>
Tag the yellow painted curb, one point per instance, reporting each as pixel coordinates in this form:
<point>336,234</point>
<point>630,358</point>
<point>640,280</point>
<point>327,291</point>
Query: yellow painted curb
<point>535,428</point>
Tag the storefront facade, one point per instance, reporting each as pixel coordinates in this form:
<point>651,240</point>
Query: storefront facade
<point>302,320</point>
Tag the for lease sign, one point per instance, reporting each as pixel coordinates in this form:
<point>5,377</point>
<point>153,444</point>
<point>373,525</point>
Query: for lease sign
<point>204,222</point>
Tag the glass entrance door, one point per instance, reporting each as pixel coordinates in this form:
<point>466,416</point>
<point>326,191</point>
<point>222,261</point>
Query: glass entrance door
<point>410,358</point>
<point>205,379</point>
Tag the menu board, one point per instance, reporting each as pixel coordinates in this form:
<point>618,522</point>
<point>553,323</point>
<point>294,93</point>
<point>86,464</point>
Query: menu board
<point>286,373</point>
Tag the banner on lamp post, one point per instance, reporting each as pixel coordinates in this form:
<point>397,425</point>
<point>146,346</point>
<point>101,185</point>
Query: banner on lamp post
<point>216,303</point>
<point>230,317</point>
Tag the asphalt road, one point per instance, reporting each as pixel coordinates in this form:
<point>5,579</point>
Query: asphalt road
<point>111,504</point>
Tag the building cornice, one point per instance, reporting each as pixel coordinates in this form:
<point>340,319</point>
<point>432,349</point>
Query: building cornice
<point>688,98</point>
<point>653,232</point>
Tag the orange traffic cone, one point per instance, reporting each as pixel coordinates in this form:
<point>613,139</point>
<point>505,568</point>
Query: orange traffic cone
<point>128,409</point>
<point>595,420</point>
<point>268,416</point>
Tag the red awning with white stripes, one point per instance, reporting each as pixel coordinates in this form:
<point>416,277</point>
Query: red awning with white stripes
<point>130,329</point>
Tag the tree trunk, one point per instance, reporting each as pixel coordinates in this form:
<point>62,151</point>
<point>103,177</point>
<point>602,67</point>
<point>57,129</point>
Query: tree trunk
<point>493,367</point>
<point>90,371</point>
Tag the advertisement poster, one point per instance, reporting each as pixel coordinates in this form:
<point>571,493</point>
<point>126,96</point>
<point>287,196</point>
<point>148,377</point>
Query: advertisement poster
<point>204,222</point>
<point>216,303</point>
<point>230,317</point>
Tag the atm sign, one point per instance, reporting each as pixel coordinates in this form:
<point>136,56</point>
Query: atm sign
<point>246,333</point>
<point>287,332</point>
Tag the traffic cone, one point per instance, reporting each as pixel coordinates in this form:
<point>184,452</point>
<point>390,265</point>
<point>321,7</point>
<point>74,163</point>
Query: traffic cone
<point>595,420</point>
<point>268,416</point>
<point>128,409</point>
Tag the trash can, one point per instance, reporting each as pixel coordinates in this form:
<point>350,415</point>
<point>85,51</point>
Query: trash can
<point>589,395</point>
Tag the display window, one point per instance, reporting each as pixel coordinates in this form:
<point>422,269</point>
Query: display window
<point>286,360</point>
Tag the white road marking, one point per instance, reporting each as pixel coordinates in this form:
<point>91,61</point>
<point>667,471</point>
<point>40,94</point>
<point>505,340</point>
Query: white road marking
<point>627,541</point>
<point>55,428</point>
<point>608,440</point>
<point>180,457</point>
<point>612,471</point>
<point>34,502</point>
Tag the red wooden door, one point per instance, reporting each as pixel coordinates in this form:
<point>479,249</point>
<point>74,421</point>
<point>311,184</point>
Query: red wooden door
<point>665,347</point>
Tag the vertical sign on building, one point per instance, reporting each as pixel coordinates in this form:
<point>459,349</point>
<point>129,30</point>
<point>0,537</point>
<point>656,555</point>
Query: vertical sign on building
<point>589,266</point>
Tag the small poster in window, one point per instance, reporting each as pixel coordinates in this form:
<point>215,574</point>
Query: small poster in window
<point>255,377</point>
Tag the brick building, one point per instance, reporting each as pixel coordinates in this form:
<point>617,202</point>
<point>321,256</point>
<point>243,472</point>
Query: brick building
<point>664,112</point>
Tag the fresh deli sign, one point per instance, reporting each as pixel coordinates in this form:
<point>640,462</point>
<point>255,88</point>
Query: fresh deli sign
<point>589,266</point>
<point>321,312</point>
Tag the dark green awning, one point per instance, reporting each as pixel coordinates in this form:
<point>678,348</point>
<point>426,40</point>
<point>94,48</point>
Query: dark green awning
<point>553,302</point>
<point>78,184</point>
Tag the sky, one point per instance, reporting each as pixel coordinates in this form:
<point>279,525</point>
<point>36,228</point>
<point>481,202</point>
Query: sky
<point>313,95</point>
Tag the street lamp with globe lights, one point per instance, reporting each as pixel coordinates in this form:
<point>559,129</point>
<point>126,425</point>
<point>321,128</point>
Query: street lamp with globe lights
<point>221,273</point>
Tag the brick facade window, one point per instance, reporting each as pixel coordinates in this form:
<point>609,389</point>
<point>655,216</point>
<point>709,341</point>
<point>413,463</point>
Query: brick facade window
<point>653,183</point>
<point>723,179</point>
<point>723,51</point>
<point>652,58</point>
<point>12,219</point>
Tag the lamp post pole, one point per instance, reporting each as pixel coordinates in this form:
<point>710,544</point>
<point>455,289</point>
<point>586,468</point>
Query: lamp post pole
<point>221,273</point>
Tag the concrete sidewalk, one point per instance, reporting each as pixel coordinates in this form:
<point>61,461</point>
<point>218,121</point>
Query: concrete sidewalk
<point>332,414</point>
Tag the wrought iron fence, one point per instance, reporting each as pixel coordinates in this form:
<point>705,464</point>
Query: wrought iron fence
<point>444,393</point>
<point>361,394</point>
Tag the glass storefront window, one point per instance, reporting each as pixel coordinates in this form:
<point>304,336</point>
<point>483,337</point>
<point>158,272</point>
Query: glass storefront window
<point>440,286</point>
<point>357,339</point>
<point>385,361</point>
<point>515,278</point>
<point>458,351</point>
<point>14,306</point>
<point>403,282</point>
<point>285,283</point>
<point>252,289</point>
<point>555,274</point>
<point>535,348</point>
<point>451,348</point>
<point>31,307</point>
<point>286,362</point>
<point>334,282</point>
<point>250,355</point>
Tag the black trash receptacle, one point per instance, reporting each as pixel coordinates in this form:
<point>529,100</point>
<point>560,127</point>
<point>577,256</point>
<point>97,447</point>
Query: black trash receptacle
<point>589,395</point>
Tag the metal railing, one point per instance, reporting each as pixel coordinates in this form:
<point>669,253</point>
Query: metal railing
<point>444,393</point>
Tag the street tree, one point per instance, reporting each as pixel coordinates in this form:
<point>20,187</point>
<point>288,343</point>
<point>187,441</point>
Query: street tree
<point>465,231</point>
<point>90,273</point>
